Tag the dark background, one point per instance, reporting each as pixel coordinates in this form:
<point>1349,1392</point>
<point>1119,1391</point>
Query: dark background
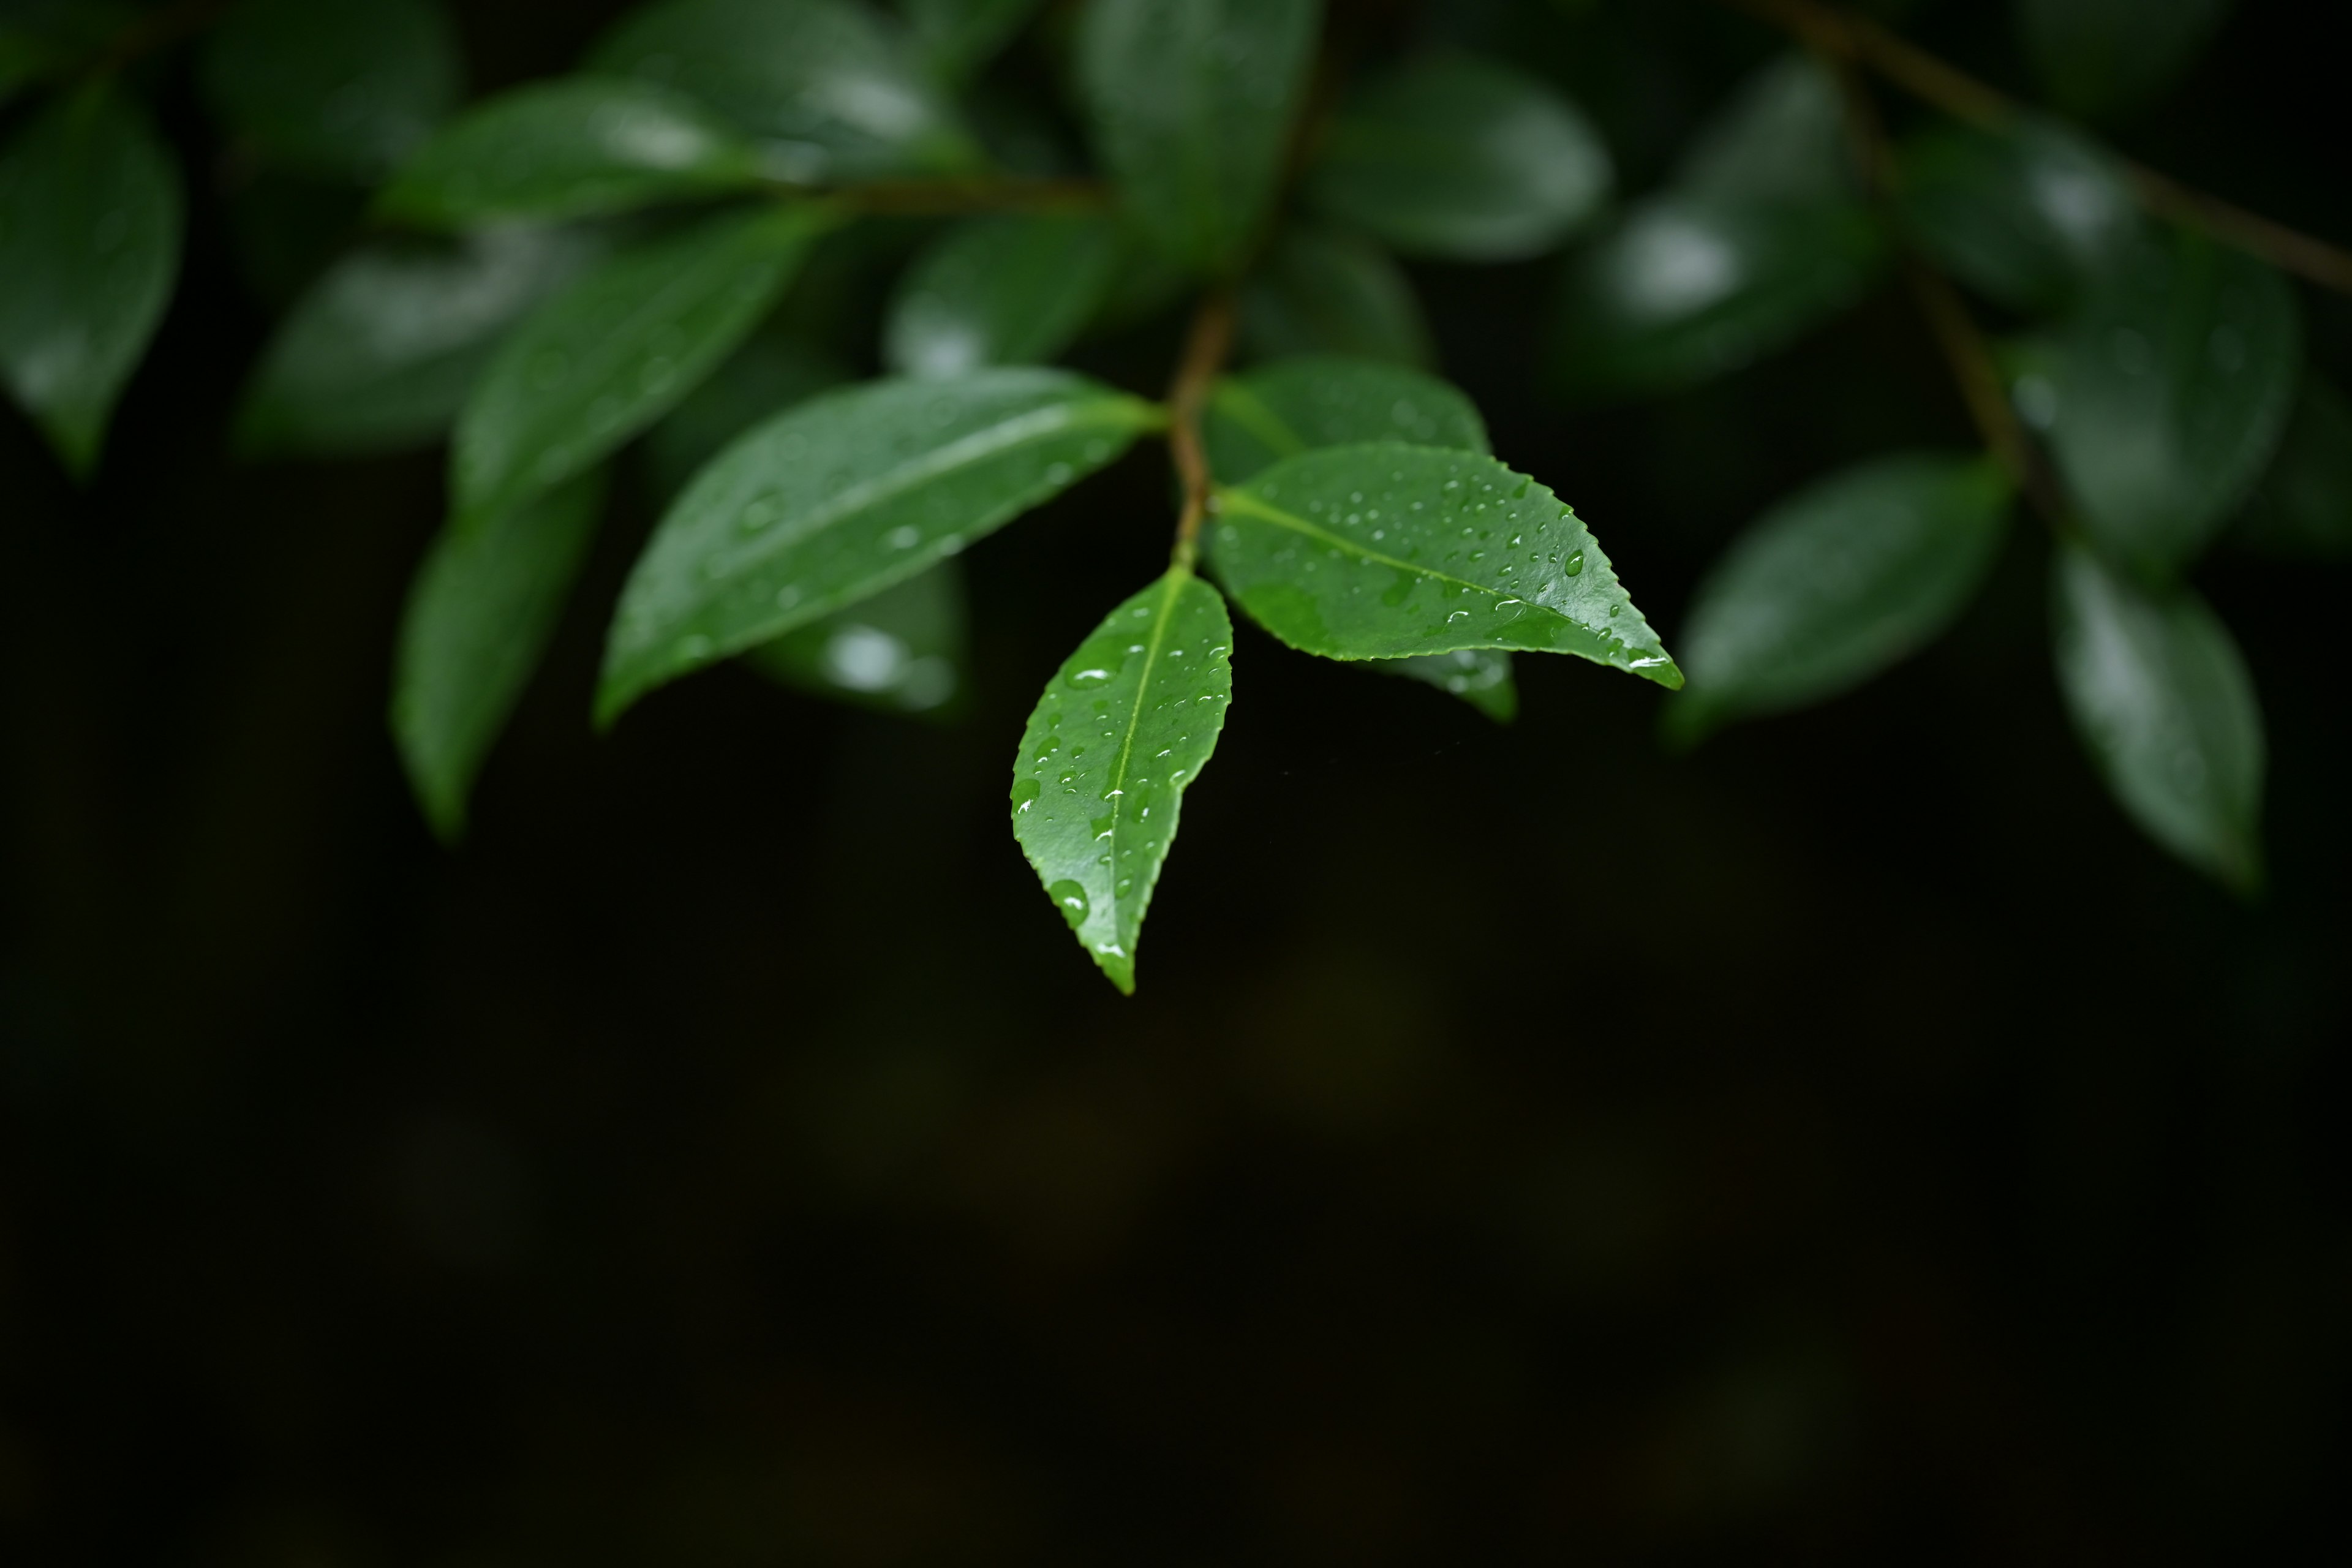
<point>1851,1142</point>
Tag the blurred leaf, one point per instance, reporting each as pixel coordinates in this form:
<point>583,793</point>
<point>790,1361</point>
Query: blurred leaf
<point>831,87</point>
<point>1013,289</point>
<point>345,90</point>
<point>1461,158</point>
<point>1481,676</point>
<point>89,245</point>
<point>2302,507</point>
<point>2162,698</point>
<point>617,349</point>
<point>566,149</point>
<point>1297,404</point>
<point>1124,728</point>
<point>479,620</point>
<point>2028,214</point>
<point>1378,552</point>
<point>771,371</point>
<point>1193,103</point>
<point>2100,58</point>
<point>1838,583</point>
<point>2168,391</point>
<point>844,496</point>
<point>900,650</point>
<point>957,37</point>
<point>40,38</point>
<point>1321,292</point>
<point>1781,140</point>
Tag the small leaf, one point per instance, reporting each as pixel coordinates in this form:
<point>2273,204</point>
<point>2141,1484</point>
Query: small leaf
<point>2101,59</point>
<point>2168,393</point>
<point>1480,676</point>
<point>617,349</point>
<point>569,149</point>
<point>957,37</point>
<point>1123,730</point>
<point>832,89</point>
<point>2161,697</point>
<point>770,373</point>
<point>1838,583</point>
<point>1782,139</point>
<point>1000,290</point>
<point>1193,103</point>
<point>382,353</point>
<point>345,90</point>
<point>89,242</point>
<point>845,495</point>
<point>478,620</point>
<point>1322,293</point>
<point>1381,551</point>
<point>2029,214</point>
<point>1297,405</point>
<point>2303,508</point>
<point>1461,158</point>
<point>900,650</point>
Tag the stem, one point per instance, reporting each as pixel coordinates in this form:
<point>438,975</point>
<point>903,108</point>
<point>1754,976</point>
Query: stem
<point>1206,348</point>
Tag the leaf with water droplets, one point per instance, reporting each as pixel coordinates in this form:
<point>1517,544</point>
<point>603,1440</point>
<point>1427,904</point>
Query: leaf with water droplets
<point>2100,58</point>
<point>2027,213</point>
<point>2160,696</point>
<point>1481,676</point>
<point>346,90</point>
<point>619,349</point>
<point>1322,293</point>
<point>1015,289</point>
<point>957,37</point>
<point>900,650</point>
<point>1325,400</point>
<point>1122,730</point>
<point>845,495</point>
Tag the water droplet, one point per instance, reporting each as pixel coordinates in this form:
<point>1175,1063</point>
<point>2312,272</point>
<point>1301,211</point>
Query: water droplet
<point>1071,899</point>
<point>1084,677</point>
<point>1574,566</point>
<point>1025,794</point>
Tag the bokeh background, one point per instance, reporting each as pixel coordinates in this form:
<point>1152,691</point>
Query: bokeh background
<point>1851,1143</point>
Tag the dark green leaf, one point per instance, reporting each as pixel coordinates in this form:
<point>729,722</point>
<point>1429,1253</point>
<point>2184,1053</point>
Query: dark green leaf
<point>46,37</point>
<point>1461,158</point>
<point>569,149</point>
<point>383,351</point>
<point>1381,551</point>
<point>2168,393</point>
<point>479,618</point>
<point>1000,290</point>
<point>2029,214</point>
<point>845,495</point>
<point>1839,582</point>
<point>833,89</point>
<point>619,349</point>
<point>1193,103</point>
<point>89,242</point>
<point>1781,140</point>
<point>901,650</point>
<point>2106,57</point>
<point>771,371</point>
<point>1321,292</point>
<point>2303,508</point>
<point>1298,404</point>
<point>346,90</point>
<point>957,37</point>
<point>1124,728</point>
<point>2162,698</point>
<point>1480,676</point>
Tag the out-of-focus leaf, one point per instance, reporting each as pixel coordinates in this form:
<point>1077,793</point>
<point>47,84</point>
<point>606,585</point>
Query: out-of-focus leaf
<point>1380,552</point>
<point>574,148</point>
<point>1123,729</point>
<point>479,620</point>
<point>617,349</point>
<point>2028,214</point>
<point>2302,507</point>
<point>1193,103</point>
<point>1782,139</point>
<point>844,496</point>
<point>2161,697</point>
<point>1481,676</point>
<point>1015,289</point>
<point>770,373</point>
<point>2106,57</point>
<point>346,90</point>
<point>1838,583</point>
<point>1462,158</point>
<point>900,650</point>
<point>1298,404</point>
<point>1321,292</point>
<point>2168,391</point>
<point>957,37</point>
<point>40,38</point>
<point>89,242</point>
<point>831,88</point>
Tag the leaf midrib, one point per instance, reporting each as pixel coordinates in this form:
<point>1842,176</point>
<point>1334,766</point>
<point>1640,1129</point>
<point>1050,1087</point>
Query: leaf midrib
<point>1244,501</point>
<point>1172,590</point>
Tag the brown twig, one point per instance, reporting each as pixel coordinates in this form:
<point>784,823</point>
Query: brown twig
<point>1206,347</point>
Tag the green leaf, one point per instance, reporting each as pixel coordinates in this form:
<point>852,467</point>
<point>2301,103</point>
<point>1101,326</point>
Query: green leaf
<point>845,495</point>
<point>1000,290</point>
<point>1124,728</point>
<point>1193,103</point>
<point>1298,404</point>
<point>900,650</point>
<point>957,37</point>
<point>1480,676</point>
<point>1782,139</point>
<point>2029,214</point>
<point>346,90</point>
<point>569,149</point>
<point>2161,697</point>
<point>617,349</point>
<point>89,242</point>
<point>1381,551</point>
<point>2168,393</point>
<point>2101,59</point>
<point>1322,293</point>
<point>1461,158</point>
<point>2302,507</point>
<point>771,371</point>
<point>382,353</point>
<point>478,620</point>
<point>831,87</point>
<point>47,38</point>
<point>1838,583</point>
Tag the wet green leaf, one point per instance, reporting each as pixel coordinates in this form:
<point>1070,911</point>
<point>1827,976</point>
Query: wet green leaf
<point>617,349</point>
<point>2106,57</point>
<point>1461,158</point>
<point>845,495</point>
<point>90,244</point>
<point>1297,405</point>
<point>1124,728</point>
<point>479,617</point>
<point>771,371</point>
<point>2302,507</point>
<point>1838,583</point>
<point>346,90</point>
<point>1193,103</point>
<point>1481,676</point>
<point>957,37</point>
<point>574,148</point>
<point>2028,214</point>
<point>2161,697</point>
<point>1381,551</point>
<point>900,650</point>
<point>1323,292</point>
<point>1014,290</point>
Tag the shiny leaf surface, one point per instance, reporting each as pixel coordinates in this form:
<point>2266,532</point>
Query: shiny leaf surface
<point>2106,57</point>
<point>900,650</point>
<point>2302,507</point>
<point>1000,290</point>
<point>1297,405</point>
<point>1323,292</point>
<point>957,37</point>
<point>345,90</point>
<point>2029,214</point>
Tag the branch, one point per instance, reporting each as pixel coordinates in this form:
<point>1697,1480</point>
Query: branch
<point>1206,347</point>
